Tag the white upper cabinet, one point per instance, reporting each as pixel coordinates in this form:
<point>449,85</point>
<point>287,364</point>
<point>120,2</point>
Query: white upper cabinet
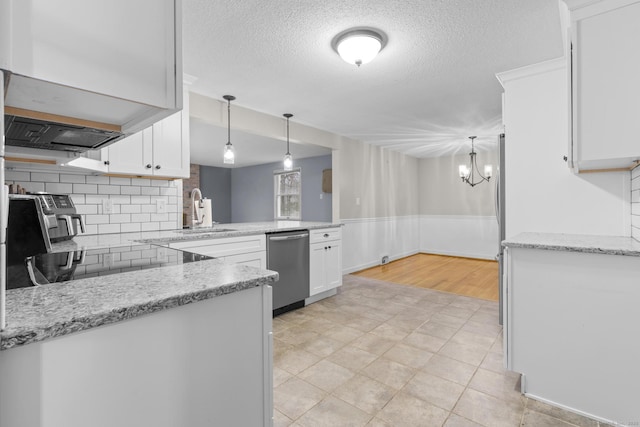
<point>116,62</point>
<point>162,150</point>
<point>605,76</point>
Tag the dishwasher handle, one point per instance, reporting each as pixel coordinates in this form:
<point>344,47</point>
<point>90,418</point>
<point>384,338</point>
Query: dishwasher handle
<point>290,237</point>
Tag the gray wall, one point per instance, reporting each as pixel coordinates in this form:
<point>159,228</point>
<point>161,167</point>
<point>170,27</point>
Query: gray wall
<point>250,191</point>
<point>443,193</point>
<point>215,184</point>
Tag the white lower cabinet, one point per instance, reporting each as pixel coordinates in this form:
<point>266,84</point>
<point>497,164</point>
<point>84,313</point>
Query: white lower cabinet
<point>208,363</point>
<point>247,250</point>
<point>571,328</point>
<point>325,260</point>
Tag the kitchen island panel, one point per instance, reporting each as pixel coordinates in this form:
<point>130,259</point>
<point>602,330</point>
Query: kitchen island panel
<point>164,369</point>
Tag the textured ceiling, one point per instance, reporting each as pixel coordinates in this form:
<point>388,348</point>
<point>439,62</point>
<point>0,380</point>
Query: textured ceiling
<point>431,86</point>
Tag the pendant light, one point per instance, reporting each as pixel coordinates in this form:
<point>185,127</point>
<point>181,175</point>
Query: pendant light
<point>229,154</point>
<point>467,173</point>
<point>288,160</point>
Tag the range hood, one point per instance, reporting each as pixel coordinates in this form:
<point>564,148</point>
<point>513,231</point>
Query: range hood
<point>46,117</point>
<point>50,135</point>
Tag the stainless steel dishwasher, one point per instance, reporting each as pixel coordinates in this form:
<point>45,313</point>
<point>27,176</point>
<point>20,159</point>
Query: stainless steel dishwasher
<point>288,254</point>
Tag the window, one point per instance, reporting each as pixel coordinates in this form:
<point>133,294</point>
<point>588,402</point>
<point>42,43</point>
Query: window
<point>288,202</point>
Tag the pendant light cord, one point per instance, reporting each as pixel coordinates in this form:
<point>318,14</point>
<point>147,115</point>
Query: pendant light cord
<point>288,116</point>
<point>228,121</point>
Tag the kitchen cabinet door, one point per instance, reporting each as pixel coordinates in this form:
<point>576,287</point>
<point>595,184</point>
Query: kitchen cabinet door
<point>170,158</point>
<point>317,269</point>
<point>333,265</point>
<point>605,74</point>
<point>132,155</point>
<point>123,49</point>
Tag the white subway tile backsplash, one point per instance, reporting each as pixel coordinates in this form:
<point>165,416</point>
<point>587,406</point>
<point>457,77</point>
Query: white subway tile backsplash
<point>141,200</point>
<point>97,179</point>
<point>108,228</point>
<point>119,181</point>
<point>132,201</point>
<point>45,177</point>
<point>86,209</point>
<point>145,182</point>
<point>119,218</point>
<point>73,178</point>
<point>58,188</point>
<point>135,190</point>
<point>130,209</point>
<point>142,217</point>
<point>150,191</point>
<point>17,176</point>
<point>150,226</point>
<point>108,189</point>
<point>85,188</point>
<point>97,219</point>
<point>130,228</point>
<point>119,199</point>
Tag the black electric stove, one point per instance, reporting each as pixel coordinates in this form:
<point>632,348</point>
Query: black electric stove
<point>56,267</point>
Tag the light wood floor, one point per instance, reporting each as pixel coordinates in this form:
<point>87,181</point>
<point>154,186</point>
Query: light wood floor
<point>462,276</point>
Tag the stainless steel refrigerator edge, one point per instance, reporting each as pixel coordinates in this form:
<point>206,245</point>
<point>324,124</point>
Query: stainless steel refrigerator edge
<point>4,211</point>
<point>500,216</point>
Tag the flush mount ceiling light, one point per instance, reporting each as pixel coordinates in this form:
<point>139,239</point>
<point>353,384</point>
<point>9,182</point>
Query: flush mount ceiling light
<point>288,160</point>
<point>359,45</point>
<point>229,154</point>
<point>467,173</point>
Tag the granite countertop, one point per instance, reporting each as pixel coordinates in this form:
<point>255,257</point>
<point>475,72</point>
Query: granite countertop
<point>611,245</point>
<point>38,313</point>
<point>168,236</point>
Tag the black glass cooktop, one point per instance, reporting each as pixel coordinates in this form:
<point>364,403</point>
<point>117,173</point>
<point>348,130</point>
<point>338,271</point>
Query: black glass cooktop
<point>49,268</point>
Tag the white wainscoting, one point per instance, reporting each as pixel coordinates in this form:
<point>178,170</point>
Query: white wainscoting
<point>466,236</point>
<point>366,240</point>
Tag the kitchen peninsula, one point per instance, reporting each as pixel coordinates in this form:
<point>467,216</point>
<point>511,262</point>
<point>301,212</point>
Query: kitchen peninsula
<point>187,344</point>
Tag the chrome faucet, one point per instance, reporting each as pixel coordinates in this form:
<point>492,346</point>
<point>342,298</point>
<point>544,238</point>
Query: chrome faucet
<point>197,217</point>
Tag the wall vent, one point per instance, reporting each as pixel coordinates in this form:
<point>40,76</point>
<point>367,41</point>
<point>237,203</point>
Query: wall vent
<point>385,260</point>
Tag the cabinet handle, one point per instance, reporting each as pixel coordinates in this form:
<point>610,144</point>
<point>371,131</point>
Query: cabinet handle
<point>106,162</point>
<point>325,248</point>
<point>326,235</point>
<point>148,166</point>
<point>329,247</point>
<point>157,166</point>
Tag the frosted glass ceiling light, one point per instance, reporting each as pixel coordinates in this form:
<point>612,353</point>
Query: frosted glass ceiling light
<point>467,173</point>
<point>359,46</point>
<point>288,160</point>
<point>229,154</point>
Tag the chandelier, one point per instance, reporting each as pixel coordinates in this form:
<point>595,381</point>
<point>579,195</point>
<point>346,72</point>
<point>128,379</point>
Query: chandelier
<point>468,173</point>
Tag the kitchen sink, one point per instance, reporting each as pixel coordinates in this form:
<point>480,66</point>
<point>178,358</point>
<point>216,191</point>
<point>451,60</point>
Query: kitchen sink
<point>204,230</point>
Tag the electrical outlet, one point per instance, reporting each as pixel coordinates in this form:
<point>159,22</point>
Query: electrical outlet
<point>161,206</point>
<point>107,260</point>
<point>107,206</point>
<point>357,201</point>
<point>321,195</point>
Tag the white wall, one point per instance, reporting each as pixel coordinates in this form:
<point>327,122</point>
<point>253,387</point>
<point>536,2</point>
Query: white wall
<point>542,195</point>
<point>134,200</point>
<point>366,240</point>
<point>459,235</point>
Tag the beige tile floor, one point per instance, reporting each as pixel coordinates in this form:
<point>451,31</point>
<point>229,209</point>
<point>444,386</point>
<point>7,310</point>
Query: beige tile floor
<point>381,354</point>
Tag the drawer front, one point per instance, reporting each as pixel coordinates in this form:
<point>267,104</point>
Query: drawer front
<point>224,246</point>
<point>325,235</point>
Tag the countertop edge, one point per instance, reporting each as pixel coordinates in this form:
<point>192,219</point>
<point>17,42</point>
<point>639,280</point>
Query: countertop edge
<point>28,335</point>
<point>606,245</point>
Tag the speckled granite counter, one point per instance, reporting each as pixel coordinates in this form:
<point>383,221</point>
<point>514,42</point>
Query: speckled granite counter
<point>611,245</point>
<point>38,313</point>
<point>168,236</point>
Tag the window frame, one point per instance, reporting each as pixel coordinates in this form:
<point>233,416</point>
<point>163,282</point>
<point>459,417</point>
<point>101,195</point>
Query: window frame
<point>276,176</point>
